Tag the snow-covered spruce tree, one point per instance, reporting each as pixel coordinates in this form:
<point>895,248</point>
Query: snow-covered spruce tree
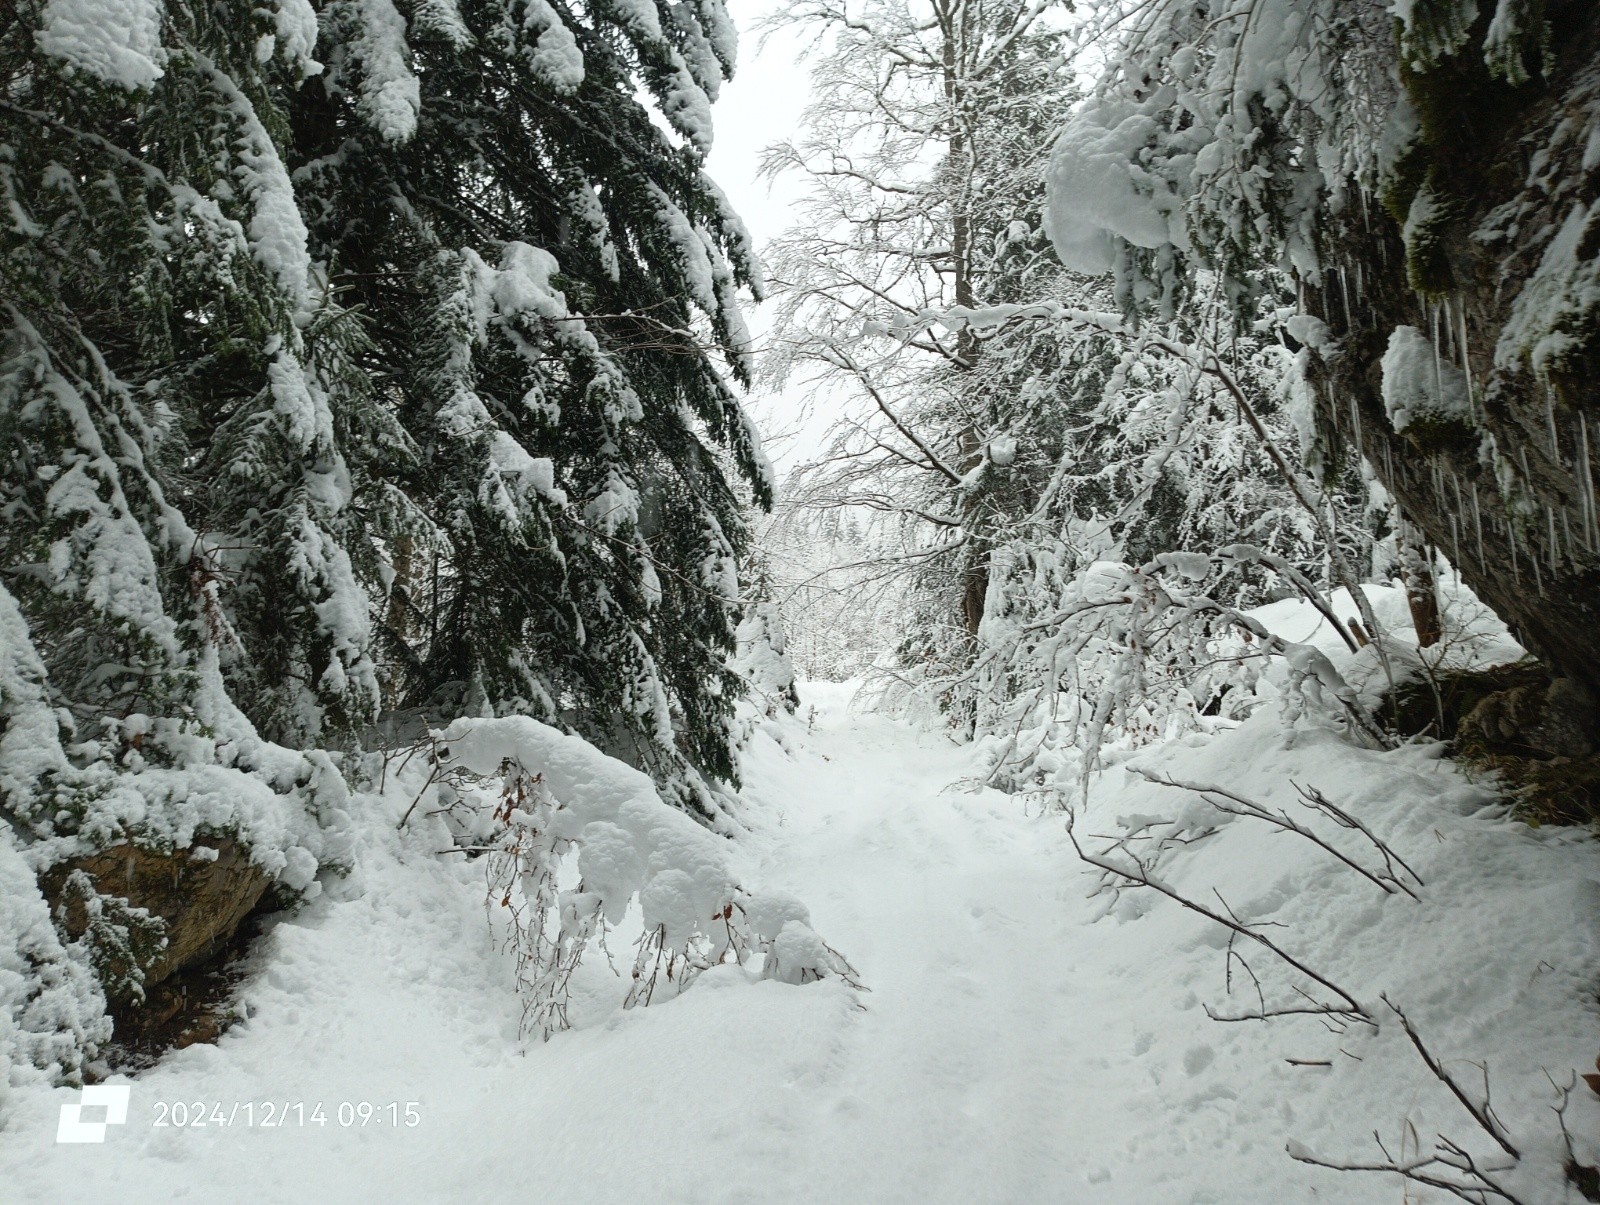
<point>544,270</point>
<point>175,390</point>
<point>1425,176</point>
<point>216,470</point>
<point>161,297</point>
<point>761,658</point>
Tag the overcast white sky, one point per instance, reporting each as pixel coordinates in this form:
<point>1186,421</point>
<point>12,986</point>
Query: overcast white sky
<point>759,106</point>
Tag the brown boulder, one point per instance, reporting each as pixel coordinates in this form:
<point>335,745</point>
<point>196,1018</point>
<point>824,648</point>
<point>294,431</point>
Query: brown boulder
<point>201,894</point>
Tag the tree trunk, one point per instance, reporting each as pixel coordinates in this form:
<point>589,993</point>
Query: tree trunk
<point>954,19</point>
<point>1422,591</point>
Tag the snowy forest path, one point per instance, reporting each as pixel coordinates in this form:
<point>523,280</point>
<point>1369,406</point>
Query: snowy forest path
<point>980,1068</point>
<point>1007,1050</point>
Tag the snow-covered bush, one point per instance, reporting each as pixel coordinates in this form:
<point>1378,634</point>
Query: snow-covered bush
<point>1127,655</point>
<point>558,811</point>
<point>1135,442</point>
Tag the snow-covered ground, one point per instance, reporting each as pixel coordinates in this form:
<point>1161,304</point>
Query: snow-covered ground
<point>1024,1039</point>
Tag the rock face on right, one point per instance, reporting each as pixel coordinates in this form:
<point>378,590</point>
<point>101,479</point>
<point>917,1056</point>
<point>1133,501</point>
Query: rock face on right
<point>1464,310</point>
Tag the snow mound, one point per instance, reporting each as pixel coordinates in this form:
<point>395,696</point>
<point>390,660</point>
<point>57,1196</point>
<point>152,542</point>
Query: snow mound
<point>564,802</point>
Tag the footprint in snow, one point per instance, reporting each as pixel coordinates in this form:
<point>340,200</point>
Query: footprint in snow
<point>1197,1058</point>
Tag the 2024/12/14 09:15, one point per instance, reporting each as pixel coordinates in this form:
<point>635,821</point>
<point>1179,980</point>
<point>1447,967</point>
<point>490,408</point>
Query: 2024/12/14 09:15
<point>199,1114</point>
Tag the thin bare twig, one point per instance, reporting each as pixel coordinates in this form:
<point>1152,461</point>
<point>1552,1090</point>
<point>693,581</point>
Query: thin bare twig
<point>1232,804</point>
<point>1482,1111</point>
<point>1139,875</point>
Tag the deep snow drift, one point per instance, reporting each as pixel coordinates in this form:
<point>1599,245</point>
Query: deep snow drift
<point>1025,1036</point>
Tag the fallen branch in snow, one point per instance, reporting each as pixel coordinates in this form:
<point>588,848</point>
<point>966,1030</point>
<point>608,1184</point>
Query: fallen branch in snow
<point>1164,841</point>
<point>1140,875</point>
<point>436,770</point>
<point>1433,1170</point>
<point>1428,1170</point>
<point>1482,1111</point>
<point>1229,803</point>
<point>1316,799</point>
<point>1449,1167</point>
<point>1586,1178</point>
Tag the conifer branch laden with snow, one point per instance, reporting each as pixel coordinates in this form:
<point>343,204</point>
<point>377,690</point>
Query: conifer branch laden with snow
<point>361,366</point>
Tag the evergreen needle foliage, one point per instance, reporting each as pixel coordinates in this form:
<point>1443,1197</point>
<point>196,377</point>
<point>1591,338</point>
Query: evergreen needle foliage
<point>362,366</point>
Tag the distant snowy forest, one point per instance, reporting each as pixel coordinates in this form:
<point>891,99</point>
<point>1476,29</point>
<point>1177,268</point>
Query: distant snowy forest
<point>1199,568</point>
